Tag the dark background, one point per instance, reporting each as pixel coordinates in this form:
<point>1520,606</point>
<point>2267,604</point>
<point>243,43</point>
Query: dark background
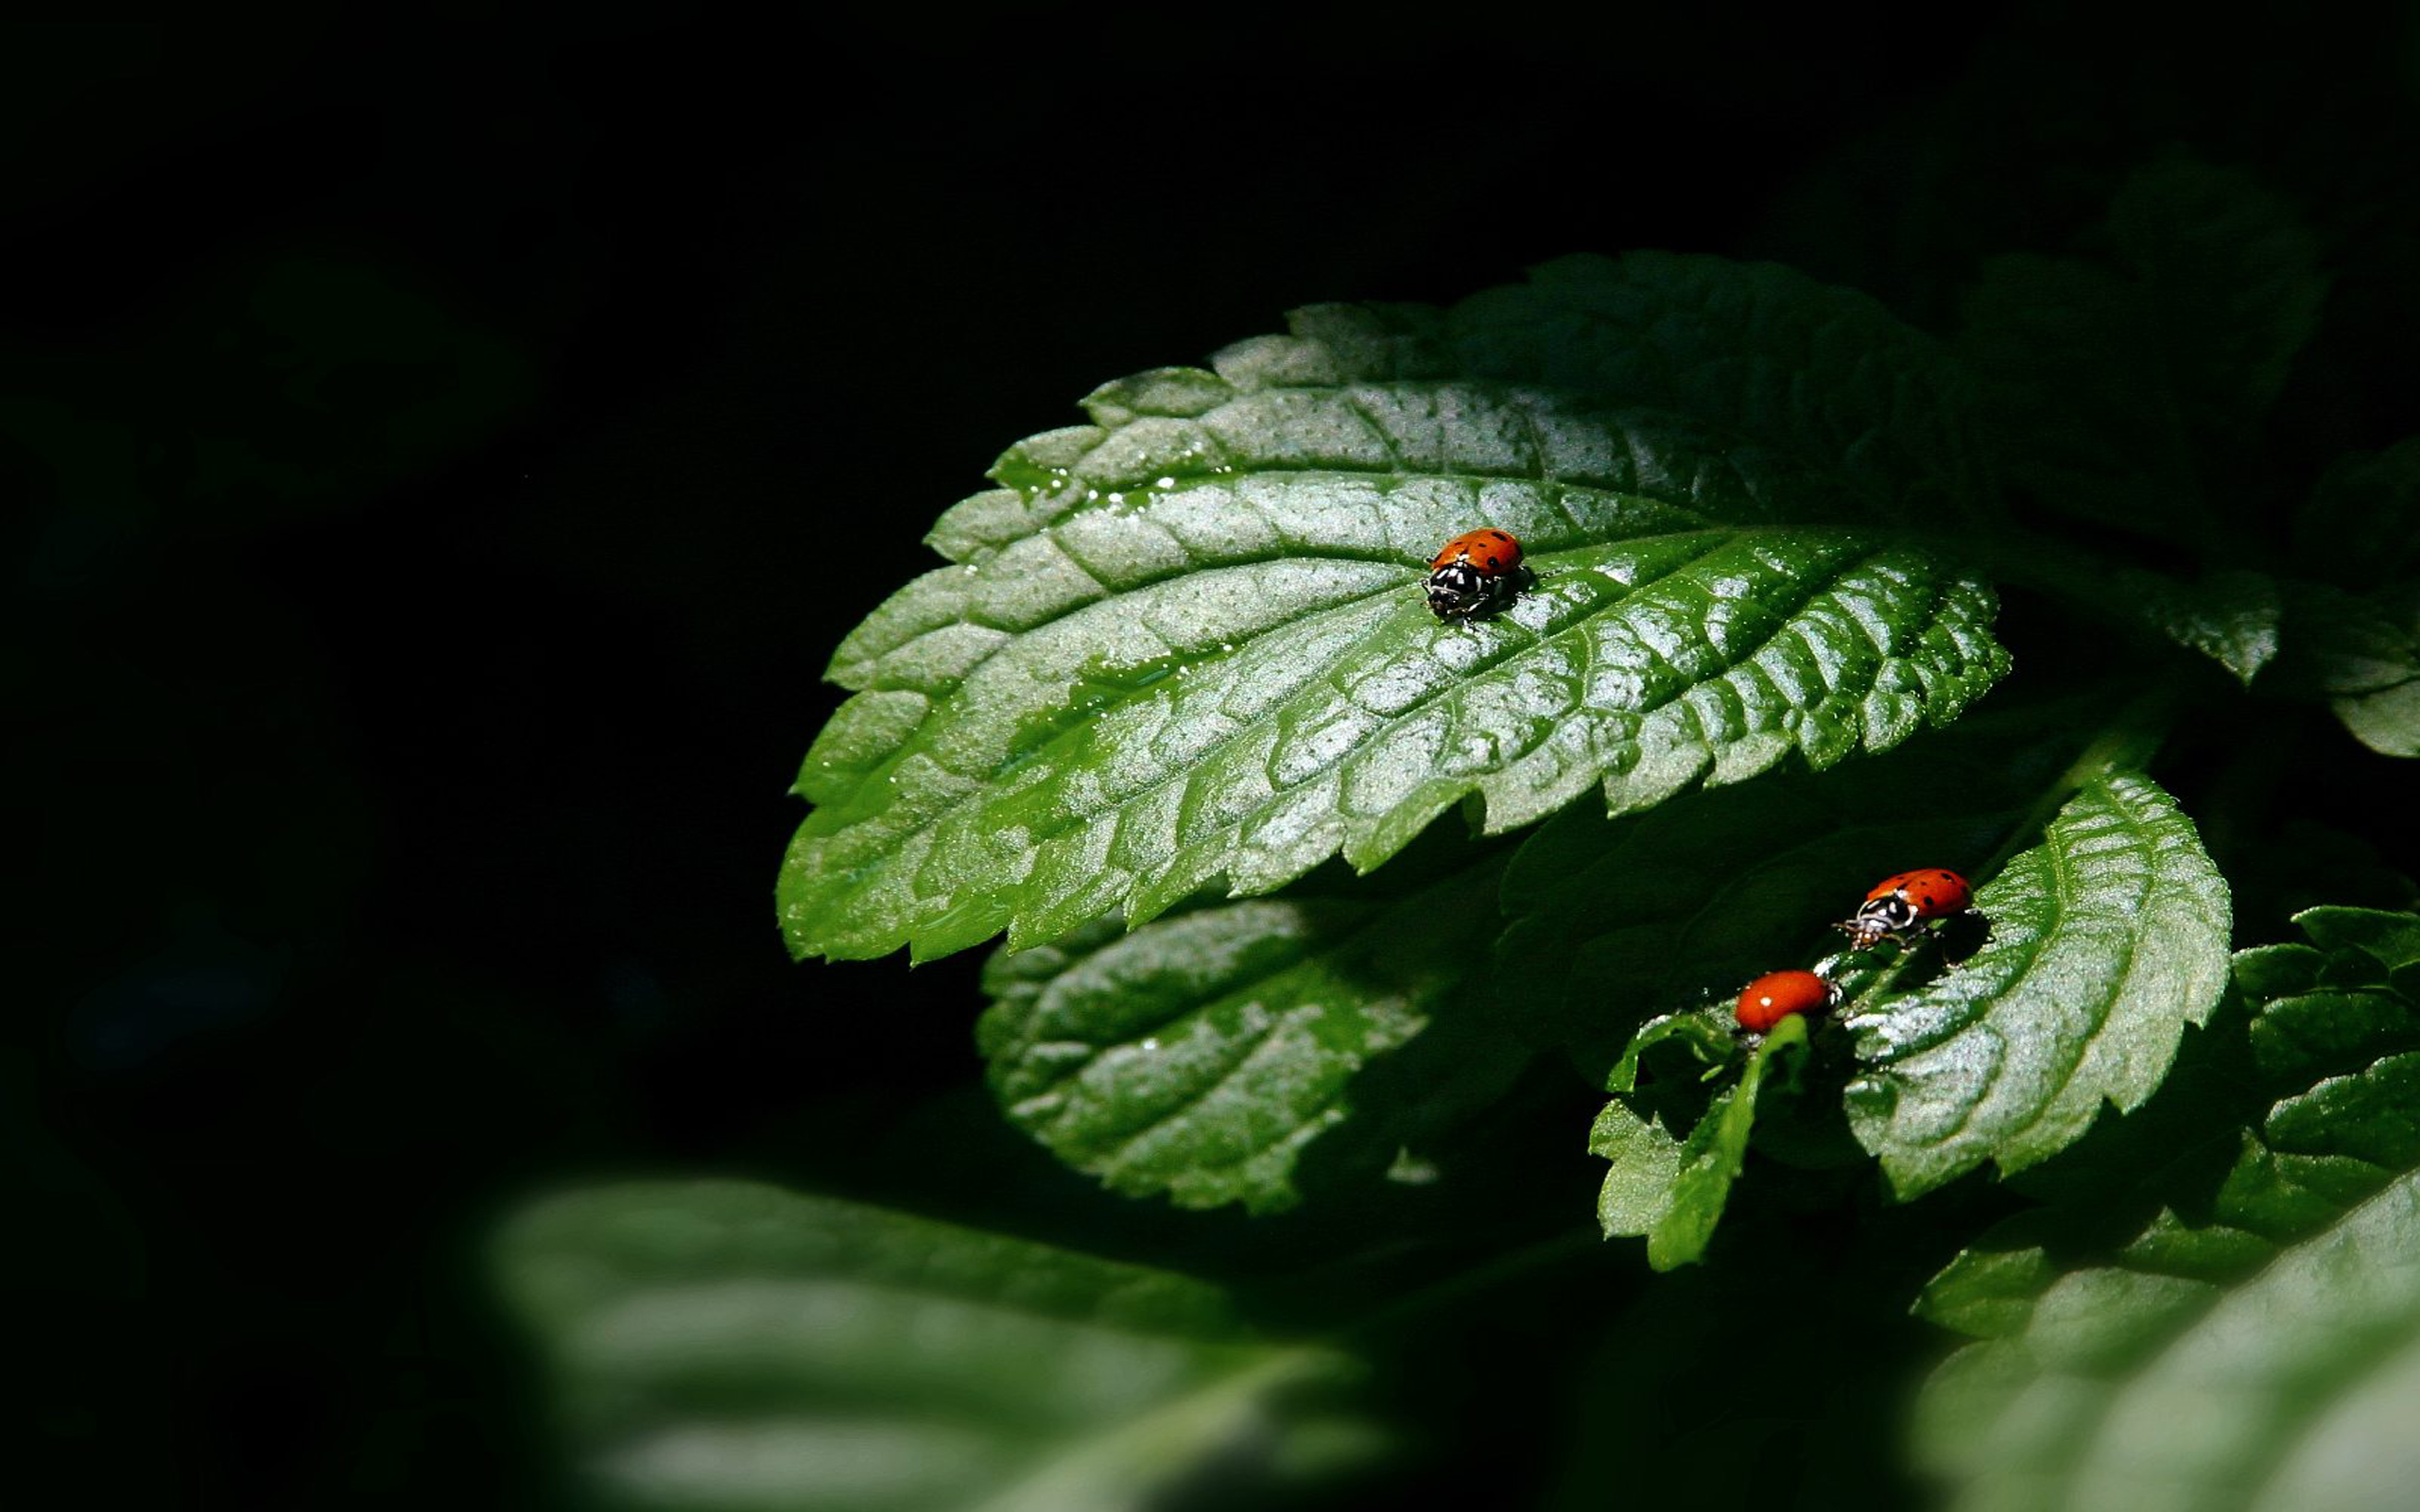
<point>453,454</point>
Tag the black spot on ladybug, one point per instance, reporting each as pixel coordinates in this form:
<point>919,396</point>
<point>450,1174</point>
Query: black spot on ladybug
<point>1493,563</point>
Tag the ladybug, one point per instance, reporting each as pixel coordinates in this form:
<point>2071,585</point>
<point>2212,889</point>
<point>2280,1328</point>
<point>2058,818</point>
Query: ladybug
<point>1776,995</point>
<point>1479,572</point>
<point>1898,904</point>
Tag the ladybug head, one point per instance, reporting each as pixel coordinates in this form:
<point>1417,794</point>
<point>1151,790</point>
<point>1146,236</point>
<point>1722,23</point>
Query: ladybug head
<point>1892,911</point>
<point>1456,589</point>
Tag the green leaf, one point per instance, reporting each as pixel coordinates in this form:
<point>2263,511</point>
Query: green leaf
<point>2357,649</point>
<point>2238,1333</point>
<point>1705,1034</point>
<point>1826,375</point>
<point>1187,643</point>
<point>1213,1054</point>
<point>1646,1160</point>
<point>2361,654</point>
<point>727,1346</point>
<point>1674,1192</point>
<point>2361,526</point>
<point>1611,920</point>
<point>2062,346</point>
<point>2232,617</point>
<point>2125,389</point>
<point>2231,279</point>
<point>2108,938</point>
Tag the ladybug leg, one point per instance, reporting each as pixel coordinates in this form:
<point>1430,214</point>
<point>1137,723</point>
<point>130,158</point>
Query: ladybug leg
<point>1864,933</point>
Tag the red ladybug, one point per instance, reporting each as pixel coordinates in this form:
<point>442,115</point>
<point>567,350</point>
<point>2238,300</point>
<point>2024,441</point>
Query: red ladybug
<point>1479,571</point>
<point>1776,995</point>
<point>1898,904</point>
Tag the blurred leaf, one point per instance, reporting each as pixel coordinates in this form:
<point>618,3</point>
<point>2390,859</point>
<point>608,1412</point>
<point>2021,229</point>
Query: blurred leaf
<point>2360,652</point>
<point>726,1346</point>
<point>1674,1192</point>
<point>2122,389</point>
<point>2230,278</point>
<point>2106,940</point>
<point>2060,343</point>
<point>1209,1055</point>
<point>2237,1333</point>
<point>1825,374</point>
<point>2231,617</point>
<point>1187,643</point>
<point>2300,863</point>
<point>2361,525</point>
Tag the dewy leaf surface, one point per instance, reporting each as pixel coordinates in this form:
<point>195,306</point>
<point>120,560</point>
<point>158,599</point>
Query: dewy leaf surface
<point>727,1347</point>
<point>2108,938</point>
<point>1211,1053</point>
<point>2220,1336</point>
<point>1186,645</point>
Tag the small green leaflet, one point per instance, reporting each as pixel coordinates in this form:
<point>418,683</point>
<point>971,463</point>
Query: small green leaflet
<point>1674,1190</point>
<point>1223,1053</point>
<point>728,1347</point>
<point>2107,939</point>
<point>1185,645</point>
<point>2236,1325</point>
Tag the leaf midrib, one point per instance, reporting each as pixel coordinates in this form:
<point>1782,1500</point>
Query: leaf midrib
<point>1254,558</point>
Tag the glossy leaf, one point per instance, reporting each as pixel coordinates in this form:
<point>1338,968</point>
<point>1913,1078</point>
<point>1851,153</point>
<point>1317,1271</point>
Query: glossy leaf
<point>2108,938</point>
<point>726,1346</point>
<point>1610,921</point>
<point>1186,645</point>
<point>2218,1334</point>
<point>1218,1053</point>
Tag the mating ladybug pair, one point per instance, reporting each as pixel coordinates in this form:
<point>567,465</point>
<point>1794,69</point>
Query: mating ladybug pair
<point>1897,906</point>
<point>1478,572</point>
